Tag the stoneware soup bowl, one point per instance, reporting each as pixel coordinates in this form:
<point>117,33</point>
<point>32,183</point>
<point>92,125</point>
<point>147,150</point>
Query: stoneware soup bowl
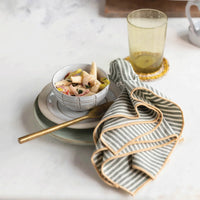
<point>77,103</point>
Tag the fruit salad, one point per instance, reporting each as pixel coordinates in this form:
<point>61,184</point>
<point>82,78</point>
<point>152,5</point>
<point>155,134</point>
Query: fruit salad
<point>82,83</point>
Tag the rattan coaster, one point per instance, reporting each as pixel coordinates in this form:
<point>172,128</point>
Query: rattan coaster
<point>154,75</point>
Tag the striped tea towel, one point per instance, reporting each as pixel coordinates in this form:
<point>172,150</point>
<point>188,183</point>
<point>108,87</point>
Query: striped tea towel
<point>137,134</point>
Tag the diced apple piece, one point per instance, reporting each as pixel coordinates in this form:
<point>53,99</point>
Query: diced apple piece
<point>88,78</point>
<point>76,79</point>
<point>83,93</point>
<point>93,70</point>
<point>73,90</point>
<point>84,74</point>
<point>63,82</point>
<point>95,87</point>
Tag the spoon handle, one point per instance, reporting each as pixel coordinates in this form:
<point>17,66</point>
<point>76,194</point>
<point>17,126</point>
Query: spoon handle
<point>32,136</point>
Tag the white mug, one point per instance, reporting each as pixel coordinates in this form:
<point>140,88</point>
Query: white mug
<point>194,28</point>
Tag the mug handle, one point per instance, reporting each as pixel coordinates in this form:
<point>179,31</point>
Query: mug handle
<point>187,11</point>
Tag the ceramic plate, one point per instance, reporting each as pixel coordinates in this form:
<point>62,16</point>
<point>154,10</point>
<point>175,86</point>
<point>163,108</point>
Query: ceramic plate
<point>68,135</point>
<point>57,113</point>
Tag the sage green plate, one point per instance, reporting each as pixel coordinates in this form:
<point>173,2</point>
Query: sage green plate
<point>68,135</point>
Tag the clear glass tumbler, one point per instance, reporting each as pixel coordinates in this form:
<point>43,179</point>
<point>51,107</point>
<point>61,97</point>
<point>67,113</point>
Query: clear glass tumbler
<point>146,34</point>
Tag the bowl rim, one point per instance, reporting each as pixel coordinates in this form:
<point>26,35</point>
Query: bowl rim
<point>73,97</point>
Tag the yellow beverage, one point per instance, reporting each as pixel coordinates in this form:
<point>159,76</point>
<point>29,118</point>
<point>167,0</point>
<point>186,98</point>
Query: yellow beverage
<point>146,62</point>
<point>146,34</point>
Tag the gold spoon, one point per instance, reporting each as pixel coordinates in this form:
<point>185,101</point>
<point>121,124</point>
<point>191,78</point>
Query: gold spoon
<point>96,112</point>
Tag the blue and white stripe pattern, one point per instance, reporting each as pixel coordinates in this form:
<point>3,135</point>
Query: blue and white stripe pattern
<point>137,134</point>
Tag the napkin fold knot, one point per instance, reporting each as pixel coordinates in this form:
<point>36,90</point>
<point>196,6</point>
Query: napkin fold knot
<point>137,134</point>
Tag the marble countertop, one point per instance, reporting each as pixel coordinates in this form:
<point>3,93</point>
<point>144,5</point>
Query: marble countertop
<point>39,37</point>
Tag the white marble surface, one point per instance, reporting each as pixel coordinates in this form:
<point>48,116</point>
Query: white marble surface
<point>36,39</point>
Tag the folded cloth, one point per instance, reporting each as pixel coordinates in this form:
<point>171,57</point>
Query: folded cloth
<point>137,134</point>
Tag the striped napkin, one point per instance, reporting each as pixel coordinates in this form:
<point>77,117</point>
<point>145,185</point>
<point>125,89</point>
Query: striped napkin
<point>137,134</point>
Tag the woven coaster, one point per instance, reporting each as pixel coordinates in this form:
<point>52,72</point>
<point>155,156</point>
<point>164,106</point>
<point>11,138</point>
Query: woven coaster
<point>154,75</point>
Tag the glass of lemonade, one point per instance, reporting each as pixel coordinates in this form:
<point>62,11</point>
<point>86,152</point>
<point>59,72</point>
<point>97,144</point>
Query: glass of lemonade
<point>146,34</point>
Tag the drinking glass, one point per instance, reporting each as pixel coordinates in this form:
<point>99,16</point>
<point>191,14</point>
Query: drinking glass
<point>146,34</point>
